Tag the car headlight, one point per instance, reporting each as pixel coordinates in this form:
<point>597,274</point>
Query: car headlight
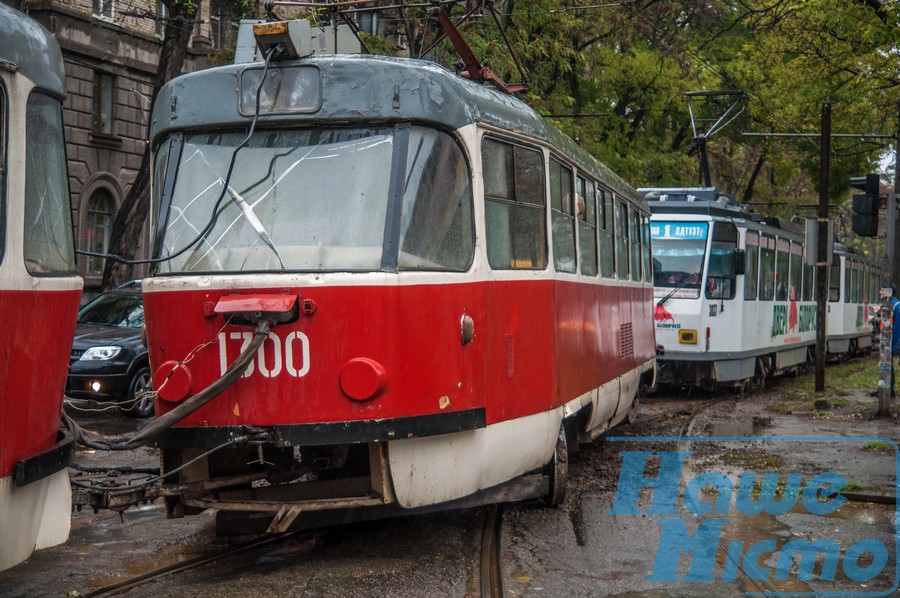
<point>100,353</point>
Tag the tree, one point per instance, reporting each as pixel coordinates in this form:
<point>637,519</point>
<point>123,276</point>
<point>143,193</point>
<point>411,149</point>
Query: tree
<point>132,214</point>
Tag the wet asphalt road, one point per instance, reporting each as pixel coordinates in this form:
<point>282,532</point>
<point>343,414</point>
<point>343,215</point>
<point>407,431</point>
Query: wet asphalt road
<point>578,549</point>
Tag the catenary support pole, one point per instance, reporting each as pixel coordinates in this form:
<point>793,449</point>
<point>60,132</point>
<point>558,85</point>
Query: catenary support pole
<point>822,258</point>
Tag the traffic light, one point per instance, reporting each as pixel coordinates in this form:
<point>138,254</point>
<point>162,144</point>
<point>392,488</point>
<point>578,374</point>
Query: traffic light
<point>865,206</point>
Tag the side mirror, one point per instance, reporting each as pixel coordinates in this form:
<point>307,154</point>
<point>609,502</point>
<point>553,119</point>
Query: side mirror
<point>740,261</point>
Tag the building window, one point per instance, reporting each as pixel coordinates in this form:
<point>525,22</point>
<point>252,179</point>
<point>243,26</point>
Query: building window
<point>102,115</point>
<point>223,24</point>
<point>162,15</point>
<point>104,8</point>
<point>97,229</point>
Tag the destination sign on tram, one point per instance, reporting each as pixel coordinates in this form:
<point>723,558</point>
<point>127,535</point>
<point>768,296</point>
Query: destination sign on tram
<point>688,231</point>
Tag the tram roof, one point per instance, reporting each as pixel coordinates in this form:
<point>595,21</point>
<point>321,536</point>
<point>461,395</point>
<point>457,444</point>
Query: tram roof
<point>32,50</point>
<point>709,208</point>
<point>364,88</point>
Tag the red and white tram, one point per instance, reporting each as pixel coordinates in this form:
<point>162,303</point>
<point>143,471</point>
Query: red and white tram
<point>446,289</point>
<point>39,291</point>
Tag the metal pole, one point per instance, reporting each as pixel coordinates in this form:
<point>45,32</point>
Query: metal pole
<point>887,357</point>
<point>822,258</point>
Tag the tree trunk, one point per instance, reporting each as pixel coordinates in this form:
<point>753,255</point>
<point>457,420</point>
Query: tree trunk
<point>129,221</point>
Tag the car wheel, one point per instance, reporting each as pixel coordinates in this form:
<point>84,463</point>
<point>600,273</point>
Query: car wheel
<point>139,401</point>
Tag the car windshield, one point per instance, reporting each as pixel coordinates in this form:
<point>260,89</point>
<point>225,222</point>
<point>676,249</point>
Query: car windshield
<point>123,311</point>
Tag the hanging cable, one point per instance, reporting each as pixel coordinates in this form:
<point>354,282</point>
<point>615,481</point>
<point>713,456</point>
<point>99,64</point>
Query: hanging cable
<point>216,206</point>
<point>163,423</point>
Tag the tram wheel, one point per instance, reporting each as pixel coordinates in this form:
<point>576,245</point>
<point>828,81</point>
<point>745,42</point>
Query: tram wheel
<point>558,470</point>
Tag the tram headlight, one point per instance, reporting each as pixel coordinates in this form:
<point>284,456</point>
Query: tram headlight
<point>687,337</point>
<point>100,353</point>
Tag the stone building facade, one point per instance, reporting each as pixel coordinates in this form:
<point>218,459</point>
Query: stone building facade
<point>110,49</point>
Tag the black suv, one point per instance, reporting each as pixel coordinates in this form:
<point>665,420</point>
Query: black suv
<point>109,362</point>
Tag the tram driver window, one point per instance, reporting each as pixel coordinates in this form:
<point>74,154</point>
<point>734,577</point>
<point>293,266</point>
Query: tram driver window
<point>48,244</point>
<point>436,231</point>
<point>720,280</point>
<point>514,205</point>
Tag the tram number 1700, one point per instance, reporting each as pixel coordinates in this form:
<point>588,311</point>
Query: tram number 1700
<point>276,356</point>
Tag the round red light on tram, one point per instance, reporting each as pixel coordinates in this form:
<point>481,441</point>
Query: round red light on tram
<point>172,381</point>
<point>363,378</point>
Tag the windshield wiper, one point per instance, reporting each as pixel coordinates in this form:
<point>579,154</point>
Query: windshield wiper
<point>693,277</point>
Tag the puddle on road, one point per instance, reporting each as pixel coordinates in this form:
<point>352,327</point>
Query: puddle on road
<point>734,428</point>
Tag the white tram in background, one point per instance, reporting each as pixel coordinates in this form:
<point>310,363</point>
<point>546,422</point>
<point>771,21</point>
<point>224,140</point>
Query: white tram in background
<point>39,291</point>
<point>735,301</point>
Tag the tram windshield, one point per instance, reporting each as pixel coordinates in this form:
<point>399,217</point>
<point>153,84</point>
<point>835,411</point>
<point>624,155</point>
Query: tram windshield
<point>679,249</point>
<point>319,200</point>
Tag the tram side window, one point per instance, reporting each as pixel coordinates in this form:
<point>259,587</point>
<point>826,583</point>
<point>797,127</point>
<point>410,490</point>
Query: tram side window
<point>796,272</point>
<point>846,281</point>
<point>751,270</point>
<point>767,269</point>
<point>645,247</point>
<point>514,206</point>
<point>607,247</point>
<point>808,283</point>
<point>720,281</point>
<point>622,244</point>
<point>49,247</point>
<point>562,216</point>
<point>782,262</point>
<point>635,229</point>
<point>854,282</point>
<point>834,281</point>
<point>871,293</point>
<point>587,226</point>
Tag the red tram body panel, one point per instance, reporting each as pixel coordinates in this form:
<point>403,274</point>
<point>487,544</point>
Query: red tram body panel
<point>33,370</point>
<point>413,332</point>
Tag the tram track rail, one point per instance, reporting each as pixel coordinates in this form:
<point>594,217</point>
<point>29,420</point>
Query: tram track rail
<point>491,574</point>
<point>490,582</point>
<point>136,581</point>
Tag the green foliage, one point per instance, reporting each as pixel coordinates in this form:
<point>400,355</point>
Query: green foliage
<point>879,445</point>
<point>626,67</point>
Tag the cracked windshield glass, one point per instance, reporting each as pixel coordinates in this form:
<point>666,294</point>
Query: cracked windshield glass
<point>318,200</point>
